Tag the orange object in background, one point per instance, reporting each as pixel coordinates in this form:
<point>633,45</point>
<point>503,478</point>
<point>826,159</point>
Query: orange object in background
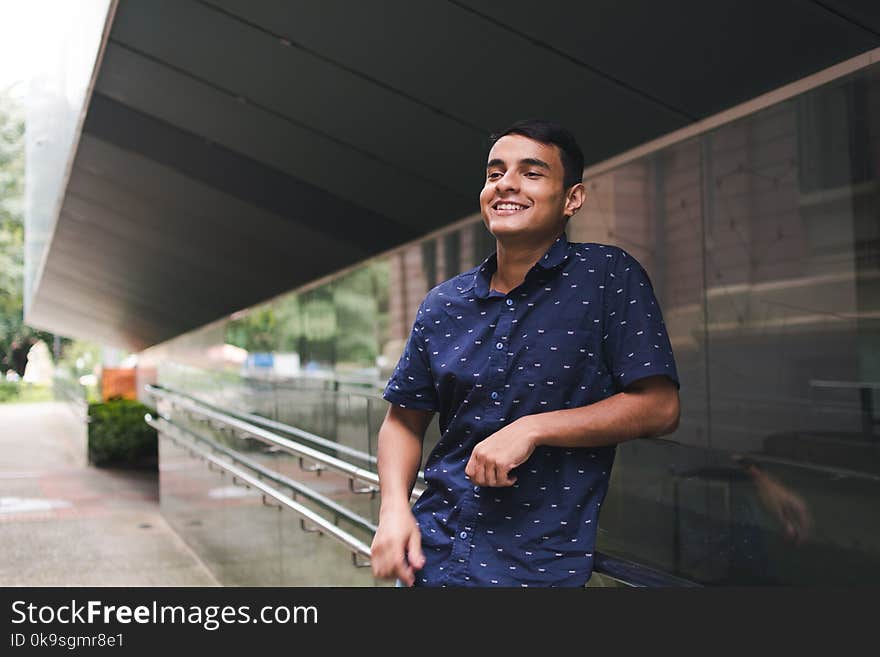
<point>119,382</point>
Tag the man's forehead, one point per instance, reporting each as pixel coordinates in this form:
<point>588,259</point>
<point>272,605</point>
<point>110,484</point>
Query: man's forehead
<point>510,149</point>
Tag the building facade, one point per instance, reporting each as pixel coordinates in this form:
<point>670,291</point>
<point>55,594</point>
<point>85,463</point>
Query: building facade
<point>762,240</point>
<point>260,223</point>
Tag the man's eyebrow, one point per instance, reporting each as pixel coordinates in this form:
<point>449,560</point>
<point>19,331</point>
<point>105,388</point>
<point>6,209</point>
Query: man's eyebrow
<point>529,161</point>
<point>535,162</point>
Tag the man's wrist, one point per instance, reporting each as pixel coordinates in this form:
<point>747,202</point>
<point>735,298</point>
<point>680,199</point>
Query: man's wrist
<point>534,430</point>
<point>393,505</point>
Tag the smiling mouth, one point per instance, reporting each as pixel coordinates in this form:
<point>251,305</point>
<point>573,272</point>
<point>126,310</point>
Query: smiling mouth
<point>505,207</point>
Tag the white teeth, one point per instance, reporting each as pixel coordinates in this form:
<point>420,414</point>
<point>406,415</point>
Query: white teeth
<point>509,206</point>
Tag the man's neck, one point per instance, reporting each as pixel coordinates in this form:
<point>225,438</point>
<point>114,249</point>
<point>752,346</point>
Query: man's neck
<point>515,260</point>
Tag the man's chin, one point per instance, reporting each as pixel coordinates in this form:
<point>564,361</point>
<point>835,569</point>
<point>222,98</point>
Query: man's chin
<point>508,226</point>
<point>513,232</point>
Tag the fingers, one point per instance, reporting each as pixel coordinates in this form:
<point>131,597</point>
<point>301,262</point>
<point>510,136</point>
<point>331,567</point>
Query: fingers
<point>387,563</point>
<point>397,549</point>
<point>491,475</point>
<point>806,521</point>
<point>476,470</point>
<point>484,472</point>
<point>470,470</point>
<point>414,553</point>
<point>404,572</point>
<point>378,559</point>
<point>501,476</point>
<point>797,521</point>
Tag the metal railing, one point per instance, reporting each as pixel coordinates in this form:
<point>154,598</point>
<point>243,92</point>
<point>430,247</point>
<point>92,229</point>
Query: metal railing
<point>303,452</point>
<point>73,393</point>
<point>622,571</point>
<point>357,547</point>
<point>263,472</point>
<point>272,425</point>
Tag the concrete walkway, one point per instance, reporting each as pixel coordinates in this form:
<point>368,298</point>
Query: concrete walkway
<point>64,523</point>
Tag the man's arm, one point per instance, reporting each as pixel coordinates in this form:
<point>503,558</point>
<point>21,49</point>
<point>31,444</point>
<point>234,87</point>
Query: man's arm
<point>396,549</point>
<point>400,453</point>
<point>788,507</point>
<point>649,407</point>
<point>646,409</point>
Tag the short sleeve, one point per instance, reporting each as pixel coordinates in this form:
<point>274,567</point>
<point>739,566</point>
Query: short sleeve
<point>635,342</point>
<point>412,384</point>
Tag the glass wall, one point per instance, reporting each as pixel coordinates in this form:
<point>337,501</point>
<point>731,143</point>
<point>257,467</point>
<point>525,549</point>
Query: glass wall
<point>761,238</point>
<point>762,241</point>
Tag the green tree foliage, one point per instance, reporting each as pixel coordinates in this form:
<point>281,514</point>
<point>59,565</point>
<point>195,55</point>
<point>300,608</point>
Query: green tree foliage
<point>358,297</point>
<point>340,323</point>
<point>16,338</point>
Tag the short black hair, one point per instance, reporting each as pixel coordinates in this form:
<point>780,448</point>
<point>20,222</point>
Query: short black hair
<point>549,132</point>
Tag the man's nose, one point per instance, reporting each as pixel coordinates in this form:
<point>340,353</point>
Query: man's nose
<point>507,181</point>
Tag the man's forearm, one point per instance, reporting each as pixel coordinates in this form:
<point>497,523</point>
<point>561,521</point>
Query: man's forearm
<point>399,456</point>
<point>618,418</point>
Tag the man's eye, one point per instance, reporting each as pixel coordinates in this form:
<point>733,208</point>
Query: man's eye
<point>533,173</point>
<point>493,174</point>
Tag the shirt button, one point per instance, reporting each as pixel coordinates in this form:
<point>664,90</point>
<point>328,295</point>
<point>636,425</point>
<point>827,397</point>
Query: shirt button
<point>499,345</point>
<point>463,535</point>
<point>510,302</point>
<point>494,395</point>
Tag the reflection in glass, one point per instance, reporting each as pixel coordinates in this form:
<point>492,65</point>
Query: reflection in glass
<point>782,254</point>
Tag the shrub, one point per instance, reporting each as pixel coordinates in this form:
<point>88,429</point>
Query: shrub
<point>18,392</point>
<point>119,436</point>
<point>8,391</point>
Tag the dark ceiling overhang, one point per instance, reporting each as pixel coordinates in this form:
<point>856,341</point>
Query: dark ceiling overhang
<point>233,150</point>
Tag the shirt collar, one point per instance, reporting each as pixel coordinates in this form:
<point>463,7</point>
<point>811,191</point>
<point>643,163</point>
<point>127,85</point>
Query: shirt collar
<point>552,258</point>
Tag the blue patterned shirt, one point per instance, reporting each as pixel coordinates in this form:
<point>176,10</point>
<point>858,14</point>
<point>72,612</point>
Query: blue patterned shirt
<point>582,326</point>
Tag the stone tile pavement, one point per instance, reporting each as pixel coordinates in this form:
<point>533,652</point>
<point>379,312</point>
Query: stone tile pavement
<point>65,523</point>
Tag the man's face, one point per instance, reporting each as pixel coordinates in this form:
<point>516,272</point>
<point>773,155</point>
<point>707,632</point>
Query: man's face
<point>524,194</point>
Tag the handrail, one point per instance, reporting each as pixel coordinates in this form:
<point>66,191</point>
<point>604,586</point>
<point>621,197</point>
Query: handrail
<point>635,574</point>
<point>65,387</point>
<point>357,547</point>
<point>372,388</point>
<point>297,449</point>
<point>626,572</point>
<point>263,471</point>
<point>272,424</point>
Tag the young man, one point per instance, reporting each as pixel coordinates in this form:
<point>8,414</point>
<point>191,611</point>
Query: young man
<point>540,360</point>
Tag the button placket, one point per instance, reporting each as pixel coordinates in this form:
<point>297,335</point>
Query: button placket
<point>460,555</point>
<point>499,361</point>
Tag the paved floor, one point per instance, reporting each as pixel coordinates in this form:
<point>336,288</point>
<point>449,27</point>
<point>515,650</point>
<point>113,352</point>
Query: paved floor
<point>64,523</point>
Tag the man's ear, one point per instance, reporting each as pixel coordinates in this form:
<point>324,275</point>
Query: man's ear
<point>574,199</point>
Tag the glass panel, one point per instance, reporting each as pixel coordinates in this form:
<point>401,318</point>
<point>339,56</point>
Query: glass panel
<point>652,208</point>
<point>452,255</point>
<point>186,502</point>
<point>792,289</point>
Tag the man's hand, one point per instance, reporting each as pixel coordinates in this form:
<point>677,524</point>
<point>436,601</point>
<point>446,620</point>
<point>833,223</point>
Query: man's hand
<point>397,546</point>
<point>493,458</point>
<point>788,507</point>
